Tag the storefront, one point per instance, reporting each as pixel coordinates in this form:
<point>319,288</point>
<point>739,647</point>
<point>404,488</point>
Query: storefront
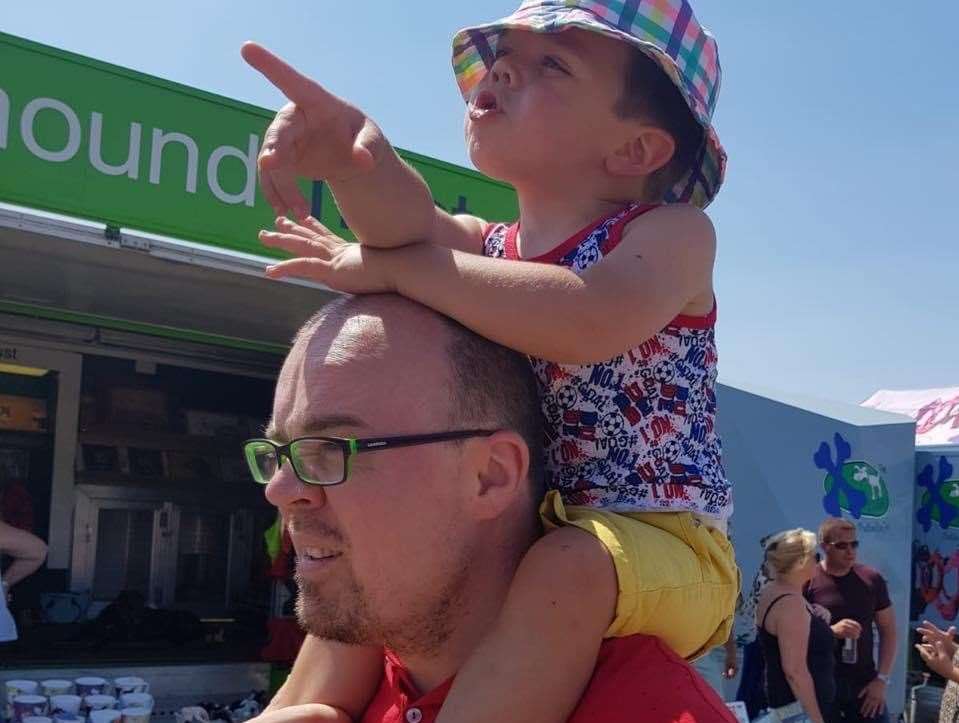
<point>139,343</point>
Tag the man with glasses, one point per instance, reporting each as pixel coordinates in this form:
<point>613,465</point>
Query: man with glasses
<point>856,596</point>
<point>404,455</point>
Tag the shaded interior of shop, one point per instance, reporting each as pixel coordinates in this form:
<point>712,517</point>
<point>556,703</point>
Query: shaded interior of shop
<point>169,550</point>
<point>156,530</point>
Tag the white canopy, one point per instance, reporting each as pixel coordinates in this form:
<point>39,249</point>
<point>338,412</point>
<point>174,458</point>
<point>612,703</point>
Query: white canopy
<point>936,411</point>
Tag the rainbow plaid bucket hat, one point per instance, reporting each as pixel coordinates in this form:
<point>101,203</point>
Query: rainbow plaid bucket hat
<point>666,30</point>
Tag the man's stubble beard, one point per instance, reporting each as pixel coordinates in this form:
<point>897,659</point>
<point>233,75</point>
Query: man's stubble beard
<point>352,619</point>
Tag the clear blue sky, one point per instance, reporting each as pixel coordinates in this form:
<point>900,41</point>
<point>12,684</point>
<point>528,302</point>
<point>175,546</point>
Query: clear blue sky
<point>838,269</point>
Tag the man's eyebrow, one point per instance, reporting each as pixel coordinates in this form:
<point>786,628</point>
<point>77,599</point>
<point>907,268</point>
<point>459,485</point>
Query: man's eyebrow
<point>317,424</point>
<point>270,431</point>
<point>314,425</point>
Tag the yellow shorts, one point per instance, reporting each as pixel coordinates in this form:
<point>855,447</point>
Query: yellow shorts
<point>678,578</point>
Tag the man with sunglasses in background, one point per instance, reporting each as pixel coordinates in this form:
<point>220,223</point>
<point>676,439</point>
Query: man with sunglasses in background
<point>404,453</point>
<point>856,596</point>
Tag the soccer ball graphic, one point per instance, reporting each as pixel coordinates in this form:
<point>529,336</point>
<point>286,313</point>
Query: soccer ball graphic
<point>664,372</point>
<point>612,425</point>
<point>566,397</point>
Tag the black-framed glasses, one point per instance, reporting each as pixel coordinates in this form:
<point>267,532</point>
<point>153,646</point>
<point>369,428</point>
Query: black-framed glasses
<point>854,544</point>
<point>326,460</point>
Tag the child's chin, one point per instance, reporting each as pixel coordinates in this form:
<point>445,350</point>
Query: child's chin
<point>491,164</point>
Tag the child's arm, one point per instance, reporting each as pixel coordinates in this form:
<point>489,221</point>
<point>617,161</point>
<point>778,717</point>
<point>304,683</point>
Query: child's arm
<point>538,657</point>
<point>319,136</point>
<point>344,677</point>
<point>663,263</point>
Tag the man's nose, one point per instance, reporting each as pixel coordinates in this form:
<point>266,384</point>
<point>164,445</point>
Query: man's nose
<point>285,489</point>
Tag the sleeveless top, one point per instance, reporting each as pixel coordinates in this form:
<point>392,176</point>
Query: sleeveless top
<point>8,629</point>
<point>820,659</point>
<point>636,432</point>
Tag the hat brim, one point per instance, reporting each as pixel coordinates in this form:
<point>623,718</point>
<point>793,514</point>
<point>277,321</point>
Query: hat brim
<point>474,50</point>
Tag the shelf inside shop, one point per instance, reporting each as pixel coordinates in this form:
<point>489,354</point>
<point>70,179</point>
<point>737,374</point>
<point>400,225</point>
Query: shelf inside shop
<point>125,436</point>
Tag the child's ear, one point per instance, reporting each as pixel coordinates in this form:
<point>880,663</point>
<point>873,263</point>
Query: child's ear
<point>645,152</point>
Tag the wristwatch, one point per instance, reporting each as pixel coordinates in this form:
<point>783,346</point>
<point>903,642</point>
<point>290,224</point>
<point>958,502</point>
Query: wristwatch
<point>883,677</point>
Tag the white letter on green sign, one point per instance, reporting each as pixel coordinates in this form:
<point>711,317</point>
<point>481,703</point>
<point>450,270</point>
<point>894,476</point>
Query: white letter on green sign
<point>160,139</point>
<point>131,166</point>
<point>73,129</point>
<point>247,195</point>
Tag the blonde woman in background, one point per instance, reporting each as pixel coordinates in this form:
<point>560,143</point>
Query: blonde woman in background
<point>797,643</point>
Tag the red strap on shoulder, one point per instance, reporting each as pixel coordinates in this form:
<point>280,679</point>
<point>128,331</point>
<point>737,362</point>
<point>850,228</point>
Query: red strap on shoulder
<point>616,230</point>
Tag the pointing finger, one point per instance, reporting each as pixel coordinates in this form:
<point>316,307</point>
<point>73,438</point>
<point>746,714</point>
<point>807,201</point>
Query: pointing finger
<point>293,84</point>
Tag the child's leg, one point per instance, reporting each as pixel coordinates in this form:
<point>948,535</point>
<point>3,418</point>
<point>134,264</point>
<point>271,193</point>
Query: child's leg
<point>344,677</point>
<point>535,662</point>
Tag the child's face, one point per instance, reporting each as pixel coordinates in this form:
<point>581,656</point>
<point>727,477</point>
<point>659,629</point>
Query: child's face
<point>544,114</point>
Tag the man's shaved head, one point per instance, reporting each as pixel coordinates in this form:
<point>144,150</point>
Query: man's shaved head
<point>486,382</point>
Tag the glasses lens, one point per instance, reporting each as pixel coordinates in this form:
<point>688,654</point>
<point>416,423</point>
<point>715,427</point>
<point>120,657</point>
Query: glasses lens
<point>262,460</point>
<point>317,461</point>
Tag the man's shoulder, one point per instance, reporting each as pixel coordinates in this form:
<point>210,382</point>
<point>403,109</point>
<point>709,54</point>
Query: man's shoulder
<point>820,579</point>
<point>866,570</point>
<point>869,575</point>
<point>638,678</point>
<point>872,579</point>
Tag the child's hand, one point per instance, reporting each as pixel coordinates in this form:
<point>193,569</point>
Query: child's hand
<point>324,257</point>
<point>317,135</point>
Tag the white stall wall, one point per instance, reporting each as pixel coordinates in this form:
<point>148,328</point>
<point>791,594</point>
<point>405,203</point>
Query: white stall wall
<point>935,584</point>
<point>784,456</point>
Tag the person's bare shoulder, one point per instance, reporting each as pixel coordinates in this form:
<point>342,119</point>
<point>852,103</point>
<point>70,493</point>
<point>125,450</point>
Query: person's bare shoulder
<point>678,223</point>
<point>18,543</point>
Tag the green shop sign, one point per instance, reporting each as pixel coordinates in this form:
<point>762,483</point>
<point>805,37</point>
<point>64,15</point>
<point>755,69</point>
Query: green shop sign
<point>89,139</point>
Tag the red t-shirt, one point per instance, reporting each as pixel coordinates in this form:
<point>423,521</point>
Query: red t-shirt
<point>637,680</point>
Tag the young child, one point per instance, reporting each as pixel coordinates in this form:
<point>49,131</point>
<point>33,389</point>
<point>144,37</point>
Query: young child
<point>598,113</point>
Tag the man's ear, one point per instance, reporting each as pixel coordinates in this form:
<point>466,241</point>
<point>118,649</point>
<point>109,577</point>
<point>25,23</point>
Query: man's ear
<point>647,150</point>
<point>502,474</point>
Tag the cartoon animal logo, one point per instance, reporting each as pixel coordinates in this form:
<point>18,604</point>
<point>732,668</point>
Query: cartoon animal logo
<point>940,501</point>
<point>852,486</point>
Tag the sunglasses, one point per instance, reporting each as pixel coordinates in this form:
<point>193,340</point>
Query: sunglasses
<point>854,544</point>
